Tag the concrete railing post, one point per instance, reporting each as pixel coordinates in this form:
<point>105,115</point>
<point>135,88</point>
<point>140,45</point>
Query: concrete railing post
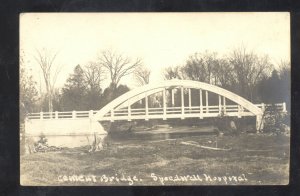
<point>284,107</point>
<point>190,100</point>
<point>129,112</point>
<point>239,111</point>
<point>220,104</point>
<point>224,104</point>
<point>259,123</point>
<point>91,114</point>
<point>172,94</point>
<point>146,107</point>
<point>263,107</point>
<point>41,115</point>
<point>201,104</point>
<point>112,114</point>
<point>164,105</point>
<point>182,103</point>
<point>56,114</point>
<point>74,114</point>
<point>206,101</point>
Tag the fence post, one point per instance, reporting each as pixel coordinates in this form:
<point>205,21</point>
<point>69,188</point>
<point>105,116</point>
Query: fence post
<point>56,115</point>
<point>239,111</point>
<point>41,115</point>
<point>74,114</point>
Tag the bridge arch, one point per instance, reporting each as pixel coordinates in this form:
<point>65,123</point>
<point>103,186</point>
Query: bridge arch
<point>143,91</point>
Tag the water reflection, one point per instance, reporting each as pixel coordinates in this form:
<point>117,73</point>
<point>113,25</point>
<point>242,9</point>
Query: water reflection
<point>140,135</point>
<point>161,134</point>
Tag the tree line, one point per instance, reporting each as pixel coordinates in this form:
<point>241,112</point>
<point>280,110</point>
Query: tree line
<point>241,71</point>
<point>83,89</point>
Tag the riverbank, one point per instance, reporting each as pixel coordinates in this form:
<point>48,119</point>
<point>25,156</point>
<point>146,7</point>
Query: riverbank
<point>258,159</point>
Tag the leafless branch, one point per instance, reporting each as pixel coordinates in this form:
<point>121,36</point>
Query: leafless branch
<point>117,65</point>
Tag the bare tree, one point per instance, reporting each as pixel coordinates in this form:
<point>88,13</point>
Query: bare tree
<point>117,65</point>
<point>284,68</point>
<point>28,91</point>
<point>50,73</point>
<point>249,69</point>
<point>142,75</point>
<point>94,75</point>
<point>223,74</point>
<point>173,73</point>
<point>200,67</point>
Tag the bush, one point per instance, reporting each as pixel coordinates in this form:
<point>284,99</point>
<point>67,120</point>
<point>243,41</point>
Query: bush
<point>276,122</point>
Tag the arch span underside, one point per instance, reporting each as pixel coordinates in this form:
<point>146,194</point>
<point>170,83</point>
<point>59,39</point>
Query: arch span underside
<point>121,107</point>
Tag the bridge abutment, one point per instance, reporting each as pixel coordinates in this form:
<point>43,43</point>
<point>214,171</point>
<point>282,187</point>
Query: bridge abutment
<point>259,122</point>
<point>70,132</point>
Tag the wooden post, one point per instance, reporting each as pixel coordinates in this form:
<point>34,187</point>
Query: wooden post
<point>182,103</point>
<point>41,115</point>
<point>74,114</point>
<point>164,104</point>
<point>146,106</point>
<point>206,98</point>
<point>201,104</point>
<point>56,115</point>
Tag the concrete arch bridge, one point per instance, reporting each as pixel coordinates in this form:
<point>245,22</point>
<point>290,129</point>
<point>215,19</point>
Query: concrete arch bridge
<point>169,99</point>
<point>121,108</point>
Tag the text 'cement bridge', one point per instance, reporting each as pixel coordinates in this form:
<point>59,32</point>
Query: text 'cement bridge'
<point>169,99</point>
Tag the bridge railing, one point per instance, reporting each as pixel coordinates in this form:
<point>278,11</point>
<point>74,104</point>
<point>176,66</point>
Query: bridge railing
<point>214,109</point>
<point>62,115</point>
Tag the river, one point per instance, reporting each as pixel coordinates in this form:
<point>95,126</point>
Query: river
<point>160,132</point>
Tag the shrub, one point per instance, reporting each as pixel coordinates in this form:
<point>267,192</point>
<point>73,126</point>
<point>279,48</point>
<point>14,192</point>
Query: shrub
<point>276,122</point>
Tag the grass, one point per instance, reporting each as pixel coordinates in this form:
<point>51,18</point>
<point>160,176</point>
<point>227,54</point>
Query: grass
<point>263,159</point>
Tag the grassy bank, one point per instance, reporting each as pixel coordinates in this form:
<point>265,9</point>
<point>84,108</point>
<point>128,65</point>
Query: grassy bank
<point>254,159</point>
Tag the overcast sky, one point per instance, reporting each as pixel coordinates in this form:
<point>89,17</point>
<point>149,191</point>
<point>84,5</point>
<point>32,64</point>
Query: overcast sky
<point>159,39</point>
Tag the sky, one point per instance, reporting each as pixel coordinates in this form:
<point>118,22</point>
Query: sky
<point>159,39</point>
